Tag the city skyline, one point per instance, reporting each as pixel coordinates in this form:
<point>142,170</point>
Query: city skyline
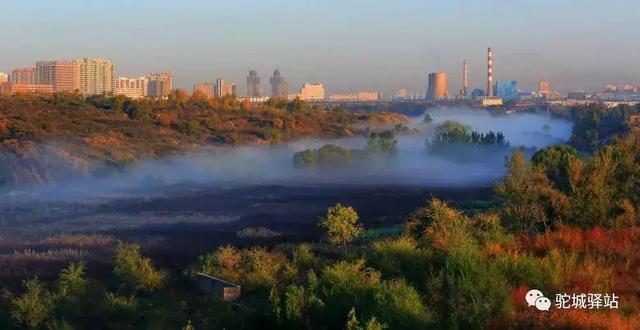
<point>556,42</point>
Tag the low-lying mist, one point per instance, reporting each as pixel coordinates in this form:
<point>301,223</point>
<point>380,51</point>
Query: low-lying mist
<point>414,164</point>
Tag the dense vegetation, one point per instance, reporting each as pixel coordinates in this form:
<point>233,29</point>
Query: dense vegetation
<point>564,222</point>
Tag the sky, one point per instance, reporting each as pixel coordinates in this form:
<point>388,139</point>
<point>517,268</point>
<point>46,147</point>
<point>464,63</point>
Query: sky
<point>349,45</point>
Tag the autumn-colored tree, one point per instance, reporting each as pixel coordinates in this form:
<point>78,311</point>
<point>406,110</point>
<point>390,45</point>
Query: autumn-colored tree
<point>342,224</point>
<point>136,271</point>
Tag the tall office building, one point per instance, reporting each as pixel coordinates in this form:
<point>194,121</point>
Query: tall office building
<point>131,87</point>
<point>279,87</point>
<point>507,90</point>
<point>97,77</point>
<point>4,77</point>
<point>490,72</point>
<point>25,76</point>
<point>253,84</point>
<point>160,84</point>
<point>437,86</point>
<point>64,76</point>
<point>312,92</point>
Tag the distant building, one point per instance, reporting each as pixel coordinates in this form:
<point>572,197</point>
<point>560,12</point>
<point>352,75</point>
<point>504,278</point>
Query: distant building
<point>10,88</point>
<point>132,87</point>
<point>220,288</point>
<point>437,86</point>
<point>253,84</point>
<point>279,87</point>
<point>490,101</point>
<point>4,77</point>
<point>160,84</point>
<point>401,94</point>
<point>25,76</point>
<point>477,93</point>
<point>356,97</point>
<point>312,92</point>
<point>207,89</point>
<point>507,90</point>
<point>97,77</point>
<point>544,87</point>
<point>64,76</point>
<point>577,96</point>
<point>222,89</point>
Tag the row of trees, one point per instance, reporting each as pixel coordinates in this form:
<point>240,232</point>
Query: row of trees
<point>452,132</point>
<point>379,145</point>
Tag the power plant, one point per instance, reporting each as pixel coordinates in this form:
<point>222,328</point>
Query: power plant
<point>437,88</point>
<point>489,72</point>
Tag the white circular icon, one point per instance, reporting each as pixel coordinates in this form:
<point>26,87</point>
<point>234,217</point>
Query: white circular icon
<point>532,296</point>
<point>543,304</point>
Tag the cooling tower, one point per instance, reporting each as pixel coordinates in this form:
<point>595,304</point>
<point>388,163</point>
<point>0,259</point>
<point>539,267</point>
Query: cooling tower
<point>437,89</point>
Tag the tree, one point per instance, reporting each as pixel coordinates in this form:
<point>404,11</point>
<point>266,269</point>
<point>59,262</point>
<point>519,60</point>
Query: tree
<point>341,224</point>
<point>382,143</point>
<point>34,306</point>
<point>134,270</point>
<point>527,196</point>
<point>306,158</point>
<point>72,281</point>
<point>427,118</point>
<point>555,161</point>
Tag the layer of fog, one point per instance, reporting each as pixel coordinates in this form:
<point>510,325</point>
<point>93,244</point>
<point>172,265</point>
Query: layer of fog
<point>414,165</point>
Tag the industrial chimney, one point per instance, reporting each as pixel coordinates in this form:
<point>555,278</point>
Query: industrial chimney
<point>489,72</point>
<point>465,78</point>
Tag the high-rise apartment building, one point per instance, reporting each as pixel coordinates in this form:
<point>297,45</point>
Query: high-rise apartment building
<point>131,87</point>
<point>97,76</point>
<point>160,84</point>
<point>279,87</point>
<point>64,76</point>
<point>25,76</point>
<point>312,92</point>
<point>253,84</point>
<point>4,77</point>
<point>223,89</point>
<point>207,89</point>
<point>437,86</point>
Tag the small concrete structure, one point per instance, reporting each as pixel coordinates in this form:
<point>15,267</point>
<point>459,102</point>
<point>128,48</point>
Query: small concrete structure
<point>222,289</point>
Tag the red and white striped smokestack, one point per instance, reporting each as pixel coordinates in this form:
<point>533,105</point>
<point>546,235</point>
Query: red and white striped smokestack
<point>489,72</point>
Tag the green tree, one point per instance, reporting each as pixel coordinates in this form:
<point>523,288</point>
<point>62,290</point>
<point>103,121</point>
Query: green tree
<point>34,306</point>
<point>72,281</point>
<point>527,196</point>
<point>134,270</point>
<point>382,143</point>
<point>306,158</point>
<point>555,161</point>
<point>342,224</point>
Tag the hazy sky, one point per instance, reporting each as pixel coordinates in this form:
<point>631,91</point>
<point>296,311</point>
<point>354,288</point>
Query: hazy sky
<point>349,45</point>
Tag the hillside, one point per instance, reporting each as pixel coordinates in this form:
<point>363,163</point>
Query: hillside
<point>71,133</point>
